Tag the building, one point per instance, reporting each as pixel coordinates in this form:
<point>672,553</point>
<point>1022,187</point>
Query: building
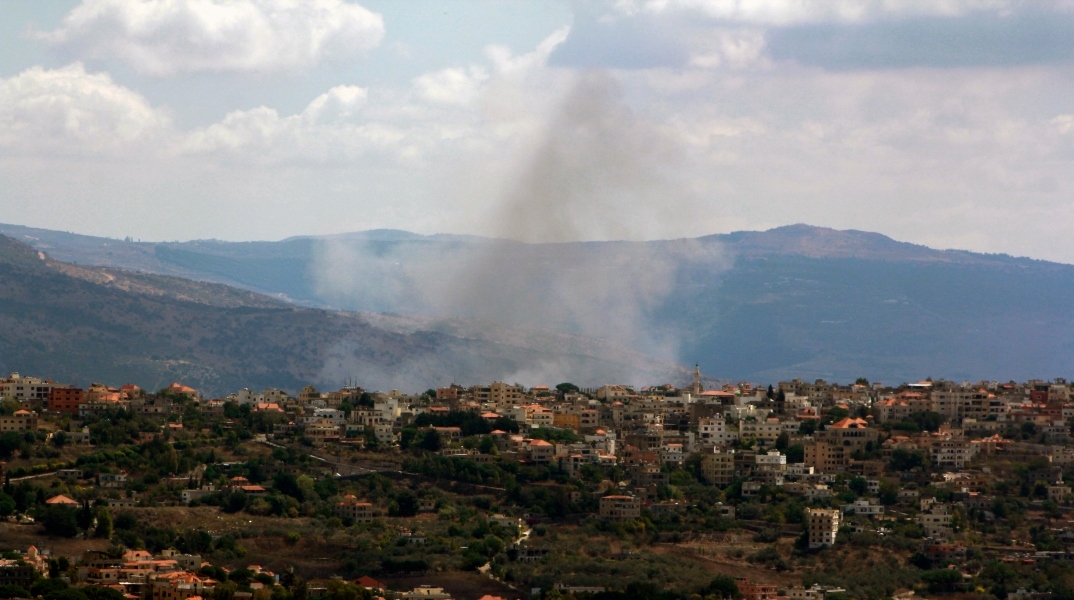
<point>498,393</point>
<point>713,431</point>
<point>823,527</point>
<point>16,574</point>
<point>65,400</point>
<point>564,420</point>
<point>826,457</point>
<point>755,591</point>
<point>21,420</point>
<point>620,508</point>
<point>351,508</point>
<point>176,585</point>
<point>853,434</point>
<point>24,389</point>
<point>936,521</point>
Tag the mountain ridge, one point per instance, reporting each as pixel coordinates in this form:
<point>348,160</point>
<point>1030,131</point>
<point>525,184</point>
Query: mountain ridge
<point>80,324</point>
<point>788,302</point>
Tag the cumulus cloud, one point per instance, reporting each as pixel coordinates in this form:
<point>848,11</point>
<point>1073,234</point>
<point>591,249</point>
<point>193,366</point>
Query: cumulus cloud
<point>451,86</point>
<point>69,110</point>
<point>789,12</point>
<point>164,37</point>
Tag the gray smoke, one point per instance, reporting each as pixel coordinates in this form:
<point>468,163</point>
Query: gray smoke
<point>599,172</point>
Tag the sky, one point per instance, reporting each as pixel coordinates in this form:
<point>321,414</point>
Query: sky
<point>948,123</point>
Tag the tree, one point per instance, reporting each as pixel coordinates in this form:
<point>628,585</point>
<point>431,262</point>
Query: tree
<point>13,591</point>
<point>9,443</point>
<point>101,593</point>
<point>430,440</point>
<point>104,525</point>
<point>287,484</point>
<point>905,460</point>
<point>858,485</point>
<point>567,388</point>
<point>60,521</point>
<point>783,441</point>
<point>235,502</point>
<point>7,505</point>
<point>861,381</point>
<point>942,580</point>
<point>84,516</point>
<point>795,454</point>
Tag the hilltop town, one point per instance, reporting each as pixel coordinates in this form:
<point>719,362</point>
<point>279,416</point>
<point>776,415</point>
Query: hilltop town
<point>798,490</point>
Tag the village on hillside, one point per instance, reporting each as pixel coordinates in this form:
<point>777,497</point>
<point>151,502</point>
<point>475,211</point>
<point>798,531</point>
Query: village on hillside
<point>797,490</point>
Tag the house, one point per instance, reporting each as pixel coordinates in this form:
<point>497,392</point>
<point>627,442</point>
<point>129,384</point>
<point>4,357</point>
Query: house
<point>541,452</point>
<point>426,592</point>
<point>862,508</point>
<point>369,583</point>
<point>620,508</point>
<point>351,508</point>
<point>112,480</point>
<point>20,420</point>
<point>61,500</point>
<point>755,591</point>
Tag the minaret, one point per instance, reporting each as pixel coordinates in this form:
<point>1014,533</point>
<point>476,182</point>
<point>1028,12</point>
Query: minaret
<point>697,381</point>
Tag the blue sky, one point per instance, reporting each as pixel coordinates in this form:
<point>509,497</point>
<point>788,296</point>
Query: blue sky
<point>948,122</point>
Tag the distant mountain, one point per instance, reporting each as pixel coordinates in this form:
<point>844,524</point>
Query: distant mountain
<point>796,301</point>
<point>79,324</point>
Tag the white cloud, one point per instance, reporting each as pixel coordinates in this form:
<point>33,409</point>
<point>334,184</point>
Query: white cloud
<point>68,110</point>
<point>734,48</point>
<point>338,103</point>
<point>164,37</point>
<point>451,86</point>
<point>788,12</point>
<point>505,62</point>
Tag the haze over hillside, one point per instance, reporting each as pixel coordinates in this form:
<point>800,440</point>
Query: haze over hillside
<point>80,324</point>
<point>795,301</point>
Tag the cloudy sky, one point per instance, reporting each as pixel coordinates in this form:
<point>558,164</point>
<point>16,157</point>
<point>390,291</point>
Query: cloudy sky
<point>942,122</point>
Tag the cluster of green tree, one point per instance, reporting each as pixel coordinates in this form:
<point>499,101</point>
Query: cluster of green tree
<point>58,589</point>
<point>469,423</point>
<point>131,533</point>
<point>67,521</point>
<point>290,496</point>
<point>918,421</point>
<point>873,581</point>
<point>12,442</point>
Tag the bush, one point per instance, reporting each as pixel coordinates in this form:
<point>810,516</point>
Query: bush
<point>60,521</point>
<point>13,591</point>
<point>292,537</point>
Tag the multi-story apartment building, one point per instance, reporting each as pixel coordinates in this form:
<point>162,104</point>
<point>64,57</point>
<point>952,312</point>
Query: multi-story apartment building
<point>936,521</point>
<point>823,526</point>
<point>767,430</point>
<point>620,508</point>
<point>826,457</point>
<point>718,468</point>
<point>65,400</point>
<point>714,431</point>
<point>24,389</point>
<point>499,394</point>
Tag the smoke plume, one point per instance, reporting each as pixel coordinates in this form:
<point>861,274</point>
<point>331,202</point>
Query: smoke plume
<point>598,172</point>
